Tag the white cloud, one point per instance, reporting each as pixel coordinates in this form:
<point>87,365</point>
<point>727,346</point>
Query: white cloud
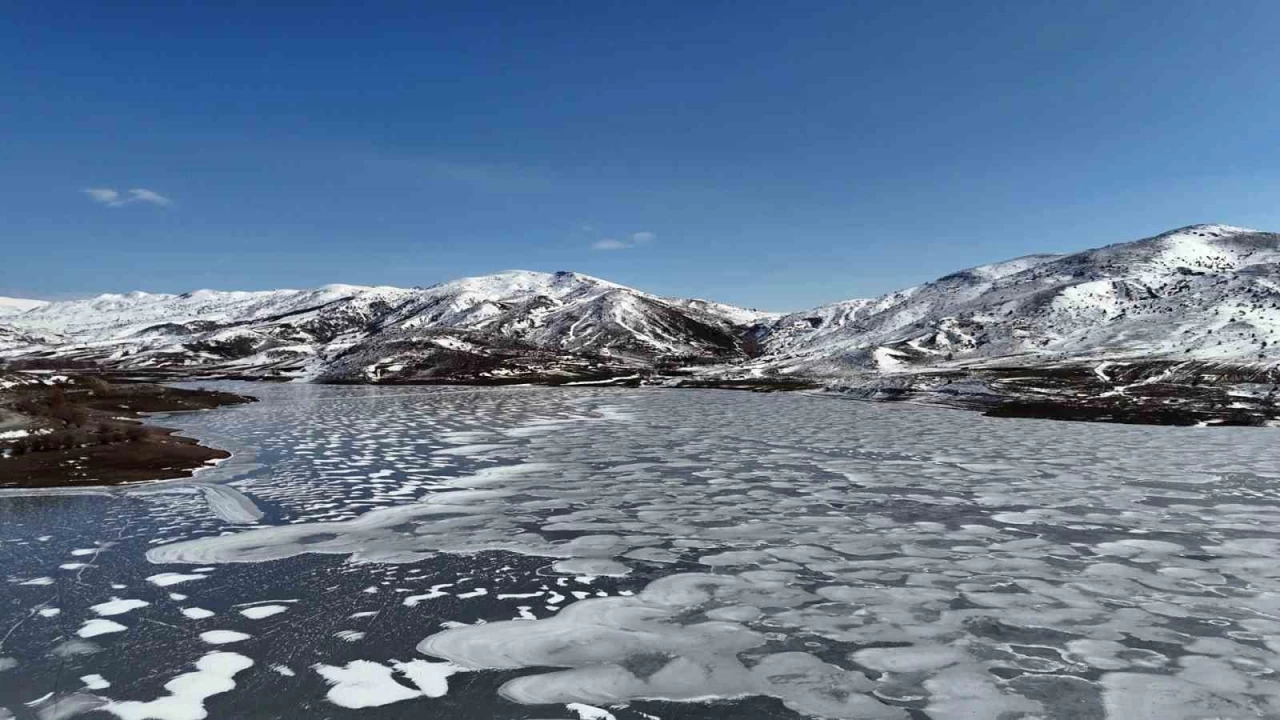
<point>637,239</point>
<point>114,198</point>
<point>106,196</point>
<point>148,196</point>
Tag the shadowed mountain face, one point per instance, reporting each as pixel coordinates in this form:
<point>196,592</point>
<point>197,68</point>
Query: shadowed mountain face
<point>1201,293</point>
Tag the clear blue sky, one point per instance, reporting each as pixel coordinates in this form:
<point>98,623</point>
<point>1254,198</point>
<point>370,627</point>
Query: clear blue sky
<point>779,154</point>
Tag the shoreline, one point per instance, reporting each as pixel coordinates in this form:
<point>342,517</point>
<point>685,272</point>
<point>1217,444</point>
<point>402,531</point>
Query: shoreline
<point>81,432</point>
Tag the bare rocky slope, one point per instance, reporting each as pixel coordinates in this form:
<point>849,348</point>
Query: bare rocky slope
<point>1197,307</point>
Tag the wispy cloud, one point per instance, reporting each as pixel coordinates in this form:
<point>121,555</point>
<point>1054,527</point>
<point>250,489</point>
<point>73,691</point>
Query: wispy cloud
<point>115,198</point>
<point>636,239</point>
<point>106,196</point>
<point>609,244</point>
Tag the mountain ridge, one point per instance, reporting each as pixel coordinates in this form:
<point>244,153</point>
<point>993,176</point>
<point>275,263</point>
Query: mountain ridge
<point>1154,297</point>
<point>571,322</point>
<point>1202,292</point>
<point>15,306</point>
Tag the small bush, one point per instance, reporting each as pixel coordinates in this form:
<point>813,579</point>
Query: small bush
<point>98,386</point>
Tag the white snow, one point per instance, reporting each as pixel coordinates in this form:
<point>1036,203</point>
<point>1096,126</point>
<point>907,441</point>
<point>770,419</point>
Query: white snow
<point>116,606</point>
<point>94,682</point>
<point>13,306</point>
<point>259,612</point>
<point>214,674</point>
<point>170,578</point>
<point>887,361</point>
<point>589,712</point>
<point>223,637</point>
<point>364,683</point>
<point>94,628</point>
<point>435,592</point>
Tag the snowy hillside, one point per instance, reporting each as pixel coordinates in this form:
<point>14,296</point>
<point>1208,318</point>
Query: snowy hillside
<point>13,306</point>
<point>1205,292</point>
<point>354,333</point>
<point>536,320</point>
<point>1201,293</point>
<point>115,317</point>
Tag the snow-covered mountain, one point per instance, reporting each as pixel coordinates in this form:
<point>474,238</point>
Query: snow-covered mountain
<point>13,306</point>
<point>1205,292</point>
<point>521,323</point>
<point>506,325</point>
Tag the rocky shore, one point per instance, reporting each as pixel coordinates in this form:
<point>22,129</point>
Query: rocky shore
<point>80,430</point>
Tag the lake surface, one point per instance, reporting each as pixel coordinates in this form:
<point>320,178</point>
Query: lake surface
<point>640,554</point>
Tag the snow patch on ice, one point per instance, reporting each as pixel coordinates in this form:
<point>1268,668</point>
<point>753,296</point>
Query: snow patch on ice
<point>214,674</point>
<point>223,637</point>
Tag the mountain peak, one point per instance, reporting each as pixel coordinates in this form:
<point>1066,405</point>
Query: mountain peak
<point>516,282</point>
<point>1212,229</point>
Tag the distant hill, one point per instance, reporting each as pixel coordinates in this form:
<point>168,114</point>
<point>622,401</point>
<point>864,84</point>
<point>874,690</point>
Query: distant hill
<point>13,306</point>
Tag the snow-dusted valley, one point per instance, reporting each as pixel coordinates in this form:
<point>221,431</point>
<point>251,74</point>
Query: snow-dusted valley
<point>1195,307</point>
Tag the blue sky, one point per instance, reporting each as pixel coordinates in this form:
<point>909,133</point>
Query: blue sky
<point>775,155</point>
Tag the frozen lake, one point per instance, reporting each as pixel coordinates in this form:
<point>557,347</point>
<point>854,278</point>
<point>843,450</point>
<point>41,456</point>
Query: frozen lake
<point>637,554</point>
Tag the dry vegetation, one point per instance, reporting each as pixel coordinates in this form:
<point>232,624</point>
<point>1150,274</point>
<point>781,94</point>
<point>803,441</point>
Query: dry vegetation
<point>86,431</point>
